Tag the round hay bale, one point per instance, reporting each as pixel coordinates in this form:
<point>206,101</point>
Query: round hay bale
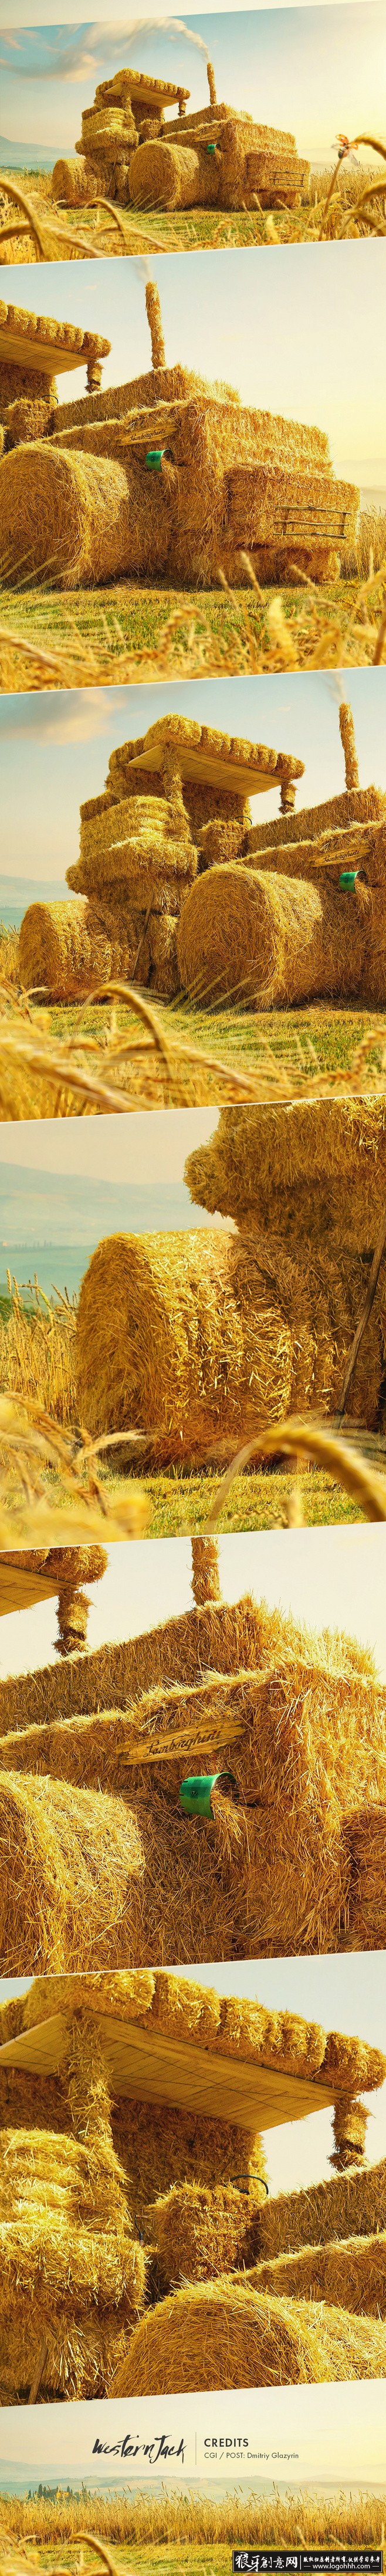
<point>240,1331</point>
<point>167,175</point>
<point>161,1312</point>
<point>226,2336</point>
<point>250,937</point>
<point>68,1862</point>
<point>64,518</point>
<point>70,182</point>
<point>57,953</point>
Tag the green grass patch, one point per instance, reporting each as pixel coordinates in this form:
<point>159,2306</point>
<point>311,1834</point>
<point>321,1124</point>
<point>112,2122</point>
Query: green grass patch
<point>323,1038</point>
<point>131,617</point>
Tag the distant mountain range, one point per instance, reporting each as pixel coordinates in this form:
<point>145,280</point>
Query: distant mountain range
<point>32,890</point>
<point>65,1209</point>
<point>29,156</point>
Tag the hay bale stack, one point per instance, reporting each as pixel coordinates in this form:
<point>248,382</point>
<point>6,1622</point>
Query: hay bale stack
<point>137,831</point>
<point>350,2275</point>
<point>244,157</point>
<point>137,857</point>
<point>63,948</point>
<point>65,517</point>
<point>228,2336</point>
<point>243,1332</point>
<point>70,2270</point>
<point>250,937</point>
<point>200,2233</point>
<point>366,1845</point>
<point>71,1862</point>
<point>71,183</point>
<point>326,1159</point>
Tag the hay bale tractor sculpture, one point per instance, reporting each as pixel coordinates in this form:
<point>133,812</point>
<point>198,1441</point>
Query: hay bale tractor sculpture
<point>231,1769</point>
<point>217,156</point>
<point>175,803</point>
<point>176,889</point>
<point>131,2118</point>
<point>169,475</point>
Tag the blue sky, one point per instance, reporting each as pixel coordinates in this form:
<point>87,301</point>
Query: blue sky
<point>291,66</point>
<point>257,323</point>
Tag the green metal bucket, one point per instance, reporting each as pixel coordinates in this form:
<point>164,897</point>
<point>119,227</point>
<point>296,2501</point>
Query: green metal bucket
<point>196,1792</point>
<point>154,459</point>
<point>347,879</point>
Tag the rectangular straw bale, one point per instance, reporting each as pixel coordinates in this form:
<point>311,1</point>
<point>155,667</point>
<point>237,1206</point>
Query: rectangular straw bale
<point>185,2011</point>
<point>352,846</point>
<point>16,321</point>
<point>225,2335</point>
<point>128,1994</point>
<point>162,2147</point>
<point>227,1634</point>
<point>353,805</point>
<point>351,2204</point>
<point>95,805</point>
<point>350,2064</point>
<point>199,2233</point>
<point>350,2275</point>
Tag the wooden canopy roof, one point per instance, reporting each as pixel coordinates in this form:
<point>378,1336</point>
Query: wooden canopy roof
<point>55,348</point>
<point>148,2065</point>
<point>245,768</point>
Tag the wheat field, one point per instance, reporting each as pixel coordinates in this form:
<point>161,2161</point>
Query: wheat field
<point>192,2521</point>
